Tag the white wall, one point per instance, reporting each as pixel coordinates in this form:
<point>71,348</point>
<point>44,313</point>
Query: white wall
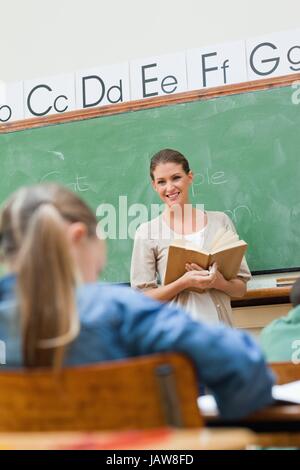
<point>41,38</point>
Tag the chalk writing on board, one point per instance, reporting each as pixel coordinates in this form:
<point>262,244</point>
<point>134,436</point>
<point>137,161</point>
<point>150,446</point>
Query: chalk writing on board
<point>60,155</point>
<point>237,211</point>
<point>49,175</point>
<point>79,184</point>
<point>207,177</point>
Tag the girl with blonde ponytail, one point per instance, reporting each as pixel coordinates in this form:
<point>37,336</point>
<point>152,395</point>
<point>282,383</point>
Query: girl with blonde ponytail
<point>53,311</point>
<point>36,242</point>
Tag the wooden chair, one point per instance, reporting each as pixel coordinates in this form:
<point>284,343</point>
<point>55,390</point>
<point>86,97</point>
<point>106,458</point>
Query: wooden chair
<point>146,392</point>
<point>285,372</point>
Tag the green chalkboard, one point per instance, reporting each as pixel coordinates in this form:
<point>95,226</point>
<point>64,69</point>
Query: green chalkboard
<point>243,149</point>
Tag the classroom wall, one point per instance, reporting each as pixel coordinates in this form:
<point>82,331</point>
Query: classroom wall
<point>50,37</point>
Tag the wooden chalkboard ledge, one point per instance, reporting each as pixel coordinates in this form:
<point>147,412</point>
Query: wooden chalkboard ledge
<point>266,296</point>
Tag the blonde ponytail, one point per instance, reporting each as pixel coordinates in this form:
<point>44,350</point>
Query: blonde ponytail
<point>46,284</point>
<point>33,226</point>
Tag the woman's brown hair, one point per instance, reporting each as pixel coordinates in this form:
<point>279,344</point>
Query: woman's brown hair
<point>169,156</point>
<point>33,240</point>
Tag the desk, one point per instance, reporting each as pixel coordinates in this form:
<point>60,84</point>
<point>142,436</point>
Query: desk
<point>259,307</point>
<point>275,425</point>
<point>155,439</point>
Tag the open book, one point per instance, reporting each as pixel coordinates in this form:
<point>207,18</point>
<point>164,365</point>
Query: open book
<point>226,249</point>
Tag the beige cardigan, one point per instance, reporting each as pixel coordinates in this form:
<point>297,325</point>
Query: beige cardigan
<point>149,258</point>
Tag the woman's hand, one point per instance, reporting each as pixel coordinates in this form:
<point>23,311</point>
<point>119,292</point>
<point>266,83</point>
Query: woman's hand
<point>213,278</point>
<point>197,277</point>
<point>234,288</point>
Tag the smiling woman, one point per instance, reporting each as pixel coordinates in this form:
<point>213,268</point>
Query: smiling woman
<point>171,179</point>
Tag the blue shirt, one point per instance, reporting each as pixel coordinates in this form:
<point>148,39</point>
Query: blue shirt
<point>117,322</point>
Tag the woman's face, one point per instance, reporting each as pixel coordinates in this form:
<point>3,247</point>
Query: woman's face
<point>172,183</point>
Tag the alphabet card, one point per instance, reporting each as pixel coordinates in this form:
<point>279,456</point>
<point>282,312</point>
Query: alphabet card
<point>216,65</point>
<point>158,76</point>
<point>273,55</point>
<point>102,85</point>
<point>11,102</point>
<point>52,95</point>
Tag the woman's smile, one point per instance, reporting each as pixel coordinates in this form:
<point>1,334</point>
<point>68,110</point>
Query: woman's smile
<point>173,196</point>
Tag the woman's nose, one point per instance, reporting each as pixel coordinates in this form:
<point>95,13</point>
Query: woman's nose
<point>169,186</point>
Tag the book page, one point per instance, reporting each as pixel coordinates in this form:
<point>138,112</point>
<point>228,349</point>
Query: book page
<point>230,246</point>
<point>227,239</point>
<point>219,234</point>
<point>287,392</point>
<point>207,405</point>
<point>187,245</point>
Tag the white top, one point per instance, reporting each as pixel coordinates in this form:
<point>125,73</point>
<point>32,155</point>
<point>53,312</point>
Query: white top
<point>197,238</point>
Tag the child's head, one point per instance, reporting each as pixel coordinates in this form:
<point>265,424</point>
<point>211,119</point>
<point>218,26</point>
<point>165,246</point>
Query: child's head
<point>48,238</point>
<point>295,294</point>
<point>50,209</point>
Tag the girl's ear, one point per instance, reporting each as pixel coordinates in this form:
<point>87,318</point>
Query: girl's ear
<point>76,232</point>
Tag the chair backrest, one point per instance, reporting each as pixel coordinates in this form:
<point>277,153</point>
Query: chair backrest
<point>139,393</point>
<point>285,372</point>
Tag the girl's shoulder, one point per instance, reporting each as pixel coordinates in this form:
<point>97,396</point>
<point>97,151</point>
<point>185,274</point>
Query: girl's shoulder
<point>101,304</point>
<point>97,304</point>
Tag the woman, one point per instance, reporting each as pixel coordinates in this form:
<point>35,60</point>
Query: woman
<point>53,312</point>
<point>171,178</point>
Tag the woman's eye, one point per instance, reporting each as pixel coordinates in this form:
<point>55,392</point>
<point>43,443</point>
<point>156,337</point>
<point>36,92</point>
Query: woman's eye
<point>177,177</point>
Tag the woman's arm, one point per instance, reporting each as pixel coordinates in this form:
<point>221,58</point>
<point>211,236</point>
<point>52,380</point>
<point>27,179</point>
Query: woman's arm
<point>143,272</point>
<point>165,293</point>
<point>234,288</point>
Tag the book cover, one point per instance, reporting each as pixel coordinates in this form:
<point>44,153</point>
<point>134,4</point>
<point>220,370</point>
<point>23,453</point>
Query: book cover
<point>227,251</point>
